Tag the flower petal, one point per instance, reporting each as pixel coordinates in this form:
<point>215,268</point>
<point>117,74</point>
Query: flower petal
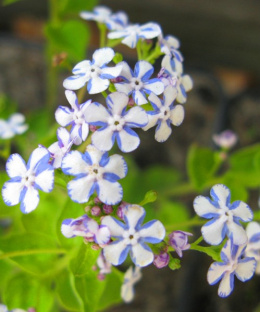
<point>242,211</point>
<point>205,208</point>
<point>40,154</point>
<point>127,140</point>
<point>116,165</point>
<point>238,233</point>
<point>75,163</point>
<point>214,231</point>
<point>221,194</point>
<point>177,115</point>
<point>134,216</point>
<point>45,180</point>
<point>139,97</point>
<point>75,82</point>
<point>103,139</point>
<point>226,285</point>
<point>163,131</point>
<point>109,193</point>
<point>154,85</point>
<point>116,252</point>
<point>143,70</point>
<point>136,117</point>
<point>15,166</point>
<point>117,102</point>
<point>63,116</point>
<point>11,192</point>
<point>103,56</point>
<point>81,189</point>
<point>245,269</point>
<point>96,114</point>
<point>141,255</point>
<point>29,199</point>
<point>97,85</point>
<point>102,236</point>
<point>126,71</point>
<point>216,272</point>
<point>152,232</point>
<point>115,226</point>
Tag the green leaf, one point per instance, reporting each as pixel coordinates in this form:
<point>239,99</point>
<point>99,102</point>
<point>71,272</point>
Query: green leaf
<point>71,37</point>
<point>33,252</point>
<point>7,2</point>
<point>212,251</point>
<point>118,58</point>
<point>25,291</point>
<point>84,261</point>
<point>112,291</point>
<point>75,6</point>
<point>149,197</point>
<point>202,163</point>
<point>237,189</point>
<point>67,293</point>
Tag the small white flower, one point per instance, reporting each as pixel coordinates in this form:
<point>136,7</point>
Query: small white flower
<point>173,75</point>
<point>26,180</point>
<point>226,139</point>
<point>93,73</point>
<point>74,117</point>
<point>132,33</point>
<point>232,264</point>
<point>94,171</point>
<point>165,114</point>
<point>138,83</point>
<point>116,123</point>
<point>131,277</point>
<point>12,126</point>
<point>59,149</point>
<point>104,15</point>
<point>132,237</point>
<point>3,308</point>
<point>169,46</point>
<point>224,216</point>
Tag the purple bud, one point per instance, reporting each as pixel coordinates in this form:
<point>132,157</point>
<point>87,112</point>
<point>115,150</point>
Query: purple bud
<point>161,260</point>
<point>117,80</point>
<point>121,210</point>
<point>95,247</point>
<point>131,102</point>
<point>97,201</point>
<point>101,277</point>
<point>95,211</point>
<point>179,241</point>
<point>226,139</point>
<point>92,128</point>
<point>108,209</point>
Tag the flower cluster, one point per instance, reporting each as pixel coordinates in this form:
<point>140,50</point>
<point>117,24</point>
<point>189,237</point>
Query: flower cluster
<point>12,126</point>
<point>224,222</point>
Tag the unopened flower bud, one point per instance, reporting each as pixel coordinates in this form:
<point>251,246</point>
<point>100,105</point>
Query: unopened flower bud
<point>95,246</point>
<point>97,200</point>
<point>226,139</point>
<point>92,128</point>
<point>179,241</point>
<point>121,209</point>
<point>108,209</point>
<point>95,211</point>
<point>131,102</point>
<point>161,260</point>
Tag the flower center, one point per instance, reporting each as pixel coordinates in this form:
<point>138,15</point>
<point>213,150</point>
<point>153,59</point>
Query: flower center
<point>94,71</point>
<point>116,123</point>
<point>28,179</point>
<point>136,83</point>
<point>131,237</point>
<point>78,118</point>
<point>96,172</point>
<point>165,113</point>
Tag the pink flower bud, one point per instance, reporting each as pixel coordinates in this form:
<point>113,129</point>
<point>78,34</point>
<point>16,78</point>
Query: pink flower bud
<point>121,209</point>
<point>179,241</point>
<point>108,209</point>
<point>92,128</point>
<point>97,201</point>
<point>161,260</point>
<point>226,139</point>
<point>95,211</point>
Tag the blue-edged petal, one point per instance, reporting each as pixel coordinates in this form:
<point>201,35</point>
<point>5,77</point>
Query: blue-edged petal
<point>253,234</point>
<point>72,99</point>
<point>134,216</point>
<point>110,193</point>
<point>127,140</point>
<point>117,102</point>
<point>152,232</point>
<point>40,154</point>
<point>238,233</point>
<point>143,70</point>
<point>245,269</point>
<point>64,116</point>
<point>15,166</point>
<point>177,115</point>
<point>213,231</point>
<point>126,71</point>
<point>150,30</point>
<point>205,208</point>
<point>116,252</point>
<point>136,117</point>
<point>103,139</point>
<point>75,163</point>
<point>117,166</point>
<point>11,192</point>
<point>187,82</point>
<point>221,194</point>
<point>97,85</point>
<point>169,95</point>
<point>216,272</point>
<point>29,199</point>
<point>154,85</point>
<point>82,67</point>
<point>152,120</point>
<point>103,56</point>
<point>141,255</point>
<point>45,180</point>
<point>242,211</point>
<point>102,236</point>
<point>75,82</point>
<point>66,228</point>
<point>139,97</point>
<point>115,226</point>
<point>81,189</point>
<point>110,72</point>
<point>96,114</point>
<point>163,131</point>
<point>226,285</point>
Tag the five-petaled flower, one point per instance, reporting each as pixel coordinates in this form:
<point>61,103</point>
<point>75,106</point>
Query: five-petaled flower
<point>169,46</point>
<point>94,171</point>
<point>60,148</point>
<point>253,245</point>
<point>102,14</point>
<point>132,33</point>
<point>74,117</point>
<point>224,216</point>
<point>116,123</point>
<point>226,139</point>
<point>131,277</point>
<point>232,264</point>
<point>138,83</point>
<point>132,237</point>
<point>173,75</point>
<point>95,73</point>
<point>164,114</point>
<point>26,180</point>
<point>12,126</point>
<point>87,228</point>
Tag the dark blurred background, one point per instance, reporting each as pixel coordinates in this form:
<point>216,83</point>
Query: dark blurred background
<point>220,41</point>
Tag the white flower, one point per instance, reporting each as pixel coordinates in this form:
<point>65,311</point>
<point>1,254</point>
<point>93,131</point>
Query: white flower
<point>226,139</point>
<point>232,264</point>
<point>74,117</point>
<point>94,73</point>
<point>253,246</point>
<point>26,180</point>
<point>132,33</point>
<point>85,227</point>
<point>165,114</point>
<point>173,75</point>
<point>138,82</point>
<point>12,126</point>
<point>131,277</point>
<point>224,216</point>
<point>116,123</point>
<point>169,46</point>
<point>94,171</point>
<point>3,308</point>
<point>103,15</point>
<point>59,149</point>
<point>132,237</point>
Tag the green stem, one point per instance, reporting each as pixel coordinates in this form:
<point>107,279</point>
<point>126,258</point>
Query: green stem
<point>139,50</point>
<point>154,55</point>
<point>102,34</point>
<point>195,221</point>
<point>81,94</point>
<point>5,153</point>
<point>19,253</point>
<point>114,42</point>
